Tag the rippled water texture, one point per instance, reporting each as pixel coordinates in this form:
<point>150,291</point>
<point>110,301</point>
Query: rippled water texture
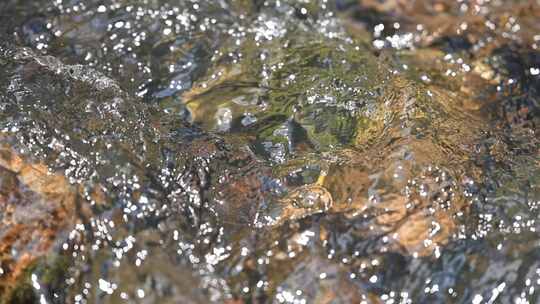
<point>280,151</point>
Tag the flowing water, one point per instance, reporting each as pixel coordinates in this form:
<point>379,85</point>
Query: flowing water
<point>279,151</point>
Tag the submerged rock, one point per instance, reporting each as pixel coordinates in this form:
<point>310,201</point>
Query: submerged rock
<point>35,206</point>
<point>254,152</point>
<point>386,133</point>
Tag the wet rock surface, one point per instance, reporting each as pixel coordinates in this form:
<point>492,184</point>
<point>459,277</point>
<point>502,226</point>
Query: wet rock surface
<point>36,206</point>
<point>269,152</point>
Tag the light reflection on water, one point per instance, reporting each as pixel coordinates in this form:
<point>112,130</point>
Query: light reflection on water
<point>270,151</point>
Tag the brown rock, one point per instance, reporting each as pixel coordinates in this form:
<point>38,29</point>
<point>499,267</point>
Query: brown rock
<point>35,205</point>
